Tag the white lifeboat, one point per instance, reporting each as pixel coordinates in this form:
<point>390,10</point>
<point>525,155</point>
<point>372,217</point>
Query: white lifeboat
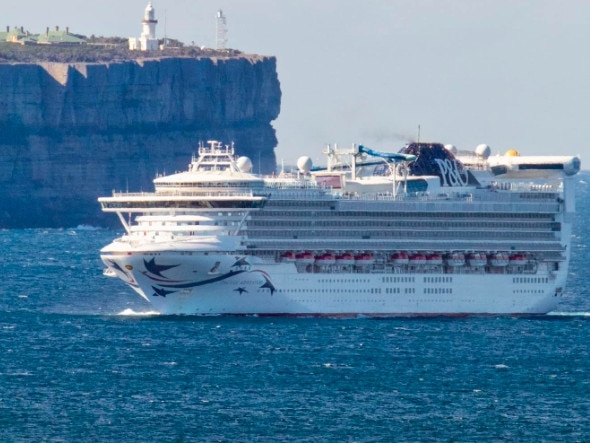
<point>325,259</point>
<point>477,259</point>
<point>499,259</point>
<point>417,259</point>
<point>305,258</point>
<point>434,259</point>
<point>364,259</point>
<point>518,260</point>
<point>288,256</point>
<point>345,259</point>
<point>400,258</point>
<point>456,259</point>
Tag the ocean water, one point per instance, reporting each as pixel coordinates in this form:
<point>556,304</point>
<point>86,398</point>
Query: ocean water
<point>81,361</point>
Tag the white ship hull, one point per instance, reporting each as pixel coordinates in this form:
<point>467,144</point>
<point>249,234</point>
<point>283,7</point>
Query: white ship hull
<point>190,288</point>
<point>429,237</point>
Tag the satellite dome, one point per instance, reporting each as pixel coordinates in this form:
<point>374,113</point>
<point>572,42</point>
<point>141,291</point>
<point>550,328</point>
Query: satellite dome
<point>512,153</point>
<point>244,164</point>
<point>304,164</point>
<point>483,150</point>
<point>451,148</point>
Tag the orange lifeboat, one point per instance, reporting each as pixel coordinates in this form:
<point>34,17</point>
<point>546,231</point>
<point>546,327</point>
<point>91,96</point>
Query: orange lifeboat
<point>400,258</point>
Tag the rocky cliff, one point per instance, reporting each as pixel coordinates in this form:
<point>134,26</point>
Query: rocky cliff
<point>70,132</point>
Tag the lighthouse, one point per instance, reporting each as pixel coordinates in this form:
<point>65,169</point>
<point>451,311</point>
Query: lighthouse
<point>147,41</point>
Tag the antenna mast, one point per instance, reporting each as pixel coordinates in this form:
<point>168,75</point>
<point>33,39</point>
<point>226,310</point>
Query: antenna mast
<point>165,35</point>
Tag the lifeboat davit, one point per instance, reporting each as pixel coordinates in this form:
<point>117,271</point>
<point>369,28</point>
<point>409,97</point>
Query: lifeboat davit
<point>417,259</point>
<point>477,259</point>
<point>455,259</point>
<point>288,256</point>
<point>325,259</point>
<point>400,258</point>
<point>305,258</point>
<point>345,259</point>
<point>364,259</point>
<point>518,260</point>
<point>499,259</point>
<point>434,259</point>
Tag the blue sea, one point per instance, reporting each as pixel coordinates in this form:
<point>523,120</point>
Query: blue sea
<point>81,359</point>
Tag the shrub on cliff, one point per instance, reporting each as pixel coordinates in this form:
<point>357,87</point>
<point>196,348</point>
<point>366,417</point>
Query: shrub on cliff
<point>99,49</point>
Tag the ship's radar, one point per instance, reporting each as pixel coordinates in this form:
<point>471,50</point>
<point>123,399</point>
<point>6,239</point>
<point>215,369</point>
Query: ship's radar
<point>304,164</point>
<point>244,164</point>
<point>483,150</point>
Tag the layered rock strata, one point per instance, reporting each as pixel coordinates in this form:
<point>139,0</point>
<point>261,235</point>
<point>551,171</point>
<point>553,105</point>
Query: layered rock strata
<point>70,132</point>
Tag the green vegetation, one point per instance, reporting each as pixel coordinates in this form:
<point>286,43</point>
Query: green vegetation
<point>100,49</point>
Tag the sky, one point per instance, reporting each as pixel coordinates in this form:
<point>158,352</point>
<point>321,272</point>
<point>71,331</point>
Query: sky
<point>511,74</point>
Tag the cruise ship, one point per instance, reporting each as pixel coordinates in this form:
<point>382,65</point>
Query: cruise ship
<point>425,231</point>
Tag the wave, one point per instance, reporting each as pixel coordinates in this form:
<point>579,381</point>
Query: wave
<point>569,314</point>
<point>131,313</point>
<point>88,228</point>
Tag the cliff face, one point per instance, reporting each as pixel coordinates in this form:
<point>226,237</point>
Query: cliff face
<point>73,132</point>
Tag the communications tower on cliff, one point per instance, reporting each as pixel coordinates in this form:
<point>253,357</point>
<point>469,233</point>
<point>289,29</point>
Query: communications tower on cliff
<point>147,41</point>
<point>221,31</point>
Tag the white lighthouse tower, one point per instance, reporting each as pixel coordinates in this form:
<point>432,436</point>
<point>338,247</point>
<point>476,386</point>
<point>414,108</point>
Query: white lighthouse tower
<point>148,40</point>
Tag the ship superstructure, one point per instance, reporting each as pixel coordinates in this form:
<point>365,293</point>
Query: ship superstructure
<point>419,232</point>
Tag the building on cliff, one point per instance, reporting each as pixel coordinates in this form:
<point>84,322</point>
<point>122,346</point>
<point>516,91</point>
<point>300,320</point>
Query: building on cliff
<point>16,35</point>
<point>147,41</point>
<point>56,37</point>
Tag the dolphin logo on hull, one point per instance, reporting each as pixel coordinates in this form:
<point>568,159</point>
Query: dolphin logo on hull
<point>268,285</point>
<point>156,269</point>
<point>161,292</point>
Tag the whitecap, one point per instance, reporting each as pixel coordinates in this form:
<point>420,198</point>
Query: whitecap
<point>569,314</point>
<point>501,366</point>
<point>19,373</point>
<point>130,312</point>
<point>87,228</point>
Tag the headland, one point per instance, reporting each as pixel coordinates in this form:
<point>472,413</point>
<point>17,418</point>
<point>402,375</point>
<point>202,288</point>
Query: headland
<point>79,120</point>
